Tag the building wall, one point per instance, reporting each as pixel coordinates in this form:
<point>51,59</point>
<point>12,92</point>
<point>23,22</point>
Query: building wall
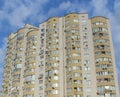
<point>54,58</point>
<point>104,58</point>
<point>69,56</point>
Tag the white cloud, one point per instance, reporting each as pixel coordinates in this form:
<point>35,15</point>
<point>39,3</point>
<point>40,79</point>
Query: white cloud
<point>17,12</point>
<point>65,6</point>
<point>101,8</point>
<point>117,7</point>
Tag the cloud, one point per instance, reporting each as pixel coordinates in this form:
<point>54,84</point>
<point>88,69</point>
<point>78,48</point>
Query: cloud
<point>62,7</point>
<point>117,7</point>
<point>101,8</point>
<point>67,7</point>
<point>99,5</point>
<point>17,12</point>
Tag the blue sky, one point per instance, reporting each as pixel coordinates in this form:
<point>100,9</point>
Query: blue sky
<point>14,14</point>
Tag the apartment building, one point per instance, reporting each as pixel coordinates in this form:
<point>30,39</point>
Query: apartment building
<point>69,56</point>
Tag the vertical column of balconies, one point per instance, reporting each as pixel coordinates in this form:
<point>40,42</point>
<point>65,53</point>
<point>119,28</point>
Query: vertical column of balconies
<point>52,59</point>
<point>103,58</point>
<point>17,64</point>
<point>6,85</point>
<point>73,56</point>
<point>30,64</point>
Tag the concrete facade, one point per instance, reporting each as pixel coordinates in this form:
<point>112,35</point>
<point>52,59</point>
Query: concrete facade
<point>69,56</point>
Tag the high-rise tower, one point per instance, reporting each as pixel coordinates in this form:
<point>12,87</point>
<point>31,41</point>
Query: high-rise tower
<point>69,56</point>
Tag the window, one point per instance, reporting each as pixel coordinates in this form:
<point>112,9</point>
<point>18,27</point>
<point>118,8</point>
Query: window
<point>55,85</point>
<point>55,25</point>
<point>86,49</point>
<point>68,56</point>
<point>85,38</point>
<point>78,81</point>
<point>69,89</point>
<point>101,40</point>
<point>88,89</point>
<point>75,31</point>
<point>41,88</point>
<point>55,64</point>
<point>69,96</point>
<point>103,59</point>
<point>77,68</point>
<point>86,61</point>
<point>77,74</point>
<point>75,37</point>
<point>75,25</point>
<point>76,20</point>
<point>30,82</point>
<point>29,95</point>
<point>31,77</point>
<point>78,96</point>
<point>76,61</point>
<point>84,28</point>
<point>77,89</point>
<point>48,73</point>
<point>75,43</point>
<point>40,95</point>
<point>88,96</point>
<point>55,91</point>
<point>69,76</point>
<point>107,95</point>
<point>67,22</point>
<point>77,48</point>
<point>55,77</point>
<point>18,66</point>
<point>29,70</point>
<point>31,38</point>
<point>102,88</point>
<point>47,92</point>
<point>83,21</point>
<point>87,68</point>
<point>99,23</point>
<point>75,54</point>
<point>86,54</point>
<point>87,75</point>
<point>40,81</point>
<point>20,36</point>
<point>69,82</point>
<point>55,71</point>
<point>88,82</point>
